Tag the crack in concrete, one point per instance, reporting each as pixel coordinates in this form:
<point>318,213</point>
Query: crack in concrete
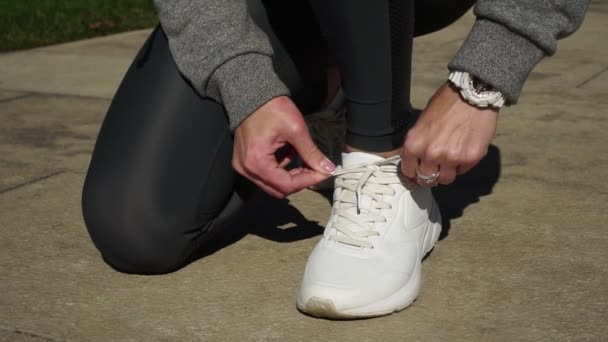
<point>15,98</point>
<point>594,76</point>
<point>31,334</point>
<point>31,181</point>
<point>39,93</point>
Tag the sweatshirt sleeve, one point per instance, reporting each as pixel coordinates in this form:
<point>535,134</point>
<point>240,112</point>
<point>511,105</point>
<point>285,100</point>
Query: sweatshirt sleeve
<point>511,36</point>
<point>219,49</point>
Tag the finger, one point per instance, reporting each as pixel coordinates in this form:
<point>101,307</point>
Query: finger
<point>267,189</point>
<point>298,170</point>
<point>464,168</point>
<point>286,156</point>
<point>447,174</point>
<point>427,168</point>
<point>411,152</point>
<point>283,164</point>
<point>276,180</point>
<point>310,153</point>
<point>286,182</point>
<point>254,172</point>
<point>287,159</point>
<point>409,165</point>
<point>305,178</point>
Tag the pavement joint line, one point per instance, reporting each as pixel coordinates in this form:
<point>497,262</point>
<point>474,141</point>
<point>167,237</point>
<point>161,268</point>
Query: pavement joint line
<point>31,334</point>
<point>568,184</point>
<point>40,93</point>
<point>31,181</point>
<point>594,76</point>
<point>76,172</point>
<point>15,98</point>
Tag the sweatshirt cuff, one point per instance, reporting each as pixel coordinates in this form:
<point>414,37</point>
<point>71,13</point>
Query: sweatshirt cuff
<point>243,84</point>
<point>497,56</point>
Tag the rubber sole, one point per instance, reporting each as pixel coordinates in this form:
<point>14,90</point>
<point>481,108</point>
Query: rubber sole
<point>401,299</point>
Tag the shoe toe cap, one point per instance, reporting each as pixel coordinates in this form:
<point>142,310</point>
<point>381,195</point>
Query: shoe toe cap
<point>340,297</point>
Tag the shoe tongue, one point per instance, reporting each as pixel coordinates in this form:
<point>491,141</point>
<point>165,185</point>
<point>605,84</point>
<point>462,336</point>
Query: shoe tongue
<point>356,159</point>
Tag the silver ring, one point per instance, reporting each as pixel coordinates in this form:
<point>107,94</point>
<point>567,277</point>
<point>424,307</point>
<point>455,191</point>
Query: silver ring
<point>428,179</point>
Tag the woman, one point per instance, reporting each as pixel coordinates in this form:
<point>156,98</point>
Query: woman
<point>219,87</point>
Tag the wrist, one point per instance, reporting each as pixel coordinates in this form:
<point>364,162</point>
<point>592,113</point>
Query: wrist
<point>271,112</point>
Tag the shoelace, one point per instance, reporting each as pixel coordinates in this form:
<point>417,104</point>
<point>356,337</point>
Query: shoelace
<point>370,180</point>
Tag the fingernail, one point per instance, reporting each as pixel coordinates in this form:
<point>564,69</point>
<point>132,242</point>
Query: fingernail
<point>328,166</point>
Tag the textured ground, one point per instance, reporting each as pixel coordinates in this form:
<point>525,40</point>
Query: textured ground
<point>524,257</point>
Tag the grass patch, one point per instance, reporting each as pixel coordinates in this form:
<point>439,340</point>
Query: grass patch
<point>30,23</point>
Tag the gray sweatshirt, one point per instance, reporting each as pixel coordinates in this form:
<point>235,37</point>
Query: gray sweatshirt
<point>225,56</point>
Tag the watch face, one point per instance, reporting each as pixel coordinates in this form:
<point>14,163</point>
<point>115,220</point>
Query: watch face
<point>483,91</point>
<point>480,87</point>
<point>475,91</point>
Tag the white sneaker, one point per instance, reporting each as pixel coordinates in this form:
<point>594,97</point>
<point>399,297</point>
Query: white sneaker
<point>368,262</point>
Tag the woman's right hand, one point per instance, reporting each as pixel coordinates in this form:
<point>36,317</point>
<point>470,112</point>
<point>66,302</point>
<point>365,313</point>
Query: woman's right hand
<point>275,124</point>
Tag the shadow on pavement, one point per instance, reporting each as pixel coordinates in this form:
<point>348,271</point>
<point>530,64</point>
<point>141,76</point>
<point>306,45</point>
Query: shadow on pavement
<point>267,217</point>
<point>467,189</point>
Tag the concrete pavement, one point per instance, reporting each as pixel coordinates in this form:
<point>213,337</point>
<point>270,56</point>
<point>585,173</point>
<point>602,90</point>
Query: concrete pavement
<point>524,255</point>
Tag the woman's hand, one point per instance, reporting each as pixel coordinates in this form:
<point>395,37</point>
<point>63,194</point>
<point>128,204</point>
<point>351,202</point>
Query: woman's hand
<point>451,137</point>
<point>274,125</point>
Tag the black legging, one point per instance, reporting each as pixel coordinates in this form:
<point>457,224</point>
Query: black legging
<point>160,182</point>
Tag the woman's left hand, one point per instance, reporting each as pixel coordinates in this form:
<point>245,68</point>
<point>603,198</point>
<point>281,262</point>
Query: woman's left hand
<point>450,137</point>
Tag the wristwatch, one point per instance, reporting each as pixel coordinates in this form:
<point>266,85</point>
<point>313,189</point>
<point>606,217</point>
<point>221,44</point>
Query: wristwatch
<point>475,91</point>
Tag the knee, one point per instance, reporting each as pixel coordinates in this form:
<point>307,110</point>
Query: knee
<point>147,262</point>
<point>132,241</point>
<point>129,248</point>
<point>144,235</point>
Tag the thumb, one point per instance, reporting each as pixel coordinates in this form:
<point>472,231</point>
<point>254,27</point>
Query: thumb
<point>311,154</point>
